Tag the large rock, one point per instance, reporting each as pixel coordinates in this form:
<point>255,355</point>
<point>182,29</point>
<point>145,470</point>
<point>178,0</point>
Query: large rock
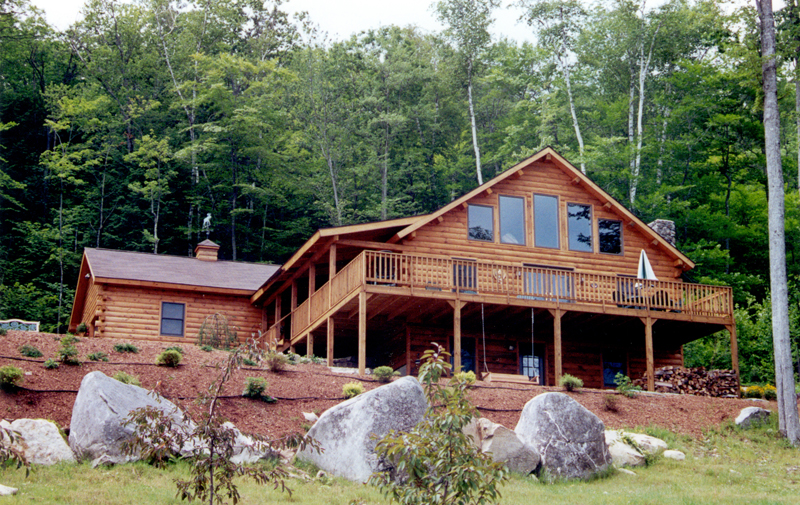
<point>348,432</point>
<point>570,439</point>
<point>503,445</point>
<point>40,441</point>
<point>98,426</point>
<point>751,415</point>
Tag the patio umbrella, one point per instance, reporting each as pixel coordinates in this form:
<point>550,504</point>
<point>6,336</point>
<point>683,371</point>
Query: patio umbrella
<point>645,271</point>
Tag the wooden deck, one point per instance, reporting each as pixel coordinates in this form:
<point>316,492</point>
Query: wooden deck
<point>427,276</point>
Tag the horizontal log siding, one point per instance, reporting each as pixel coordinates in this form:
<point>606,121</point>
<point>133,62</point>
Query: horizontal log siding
<point>90,303</point>
<point>135,313</point>
<point>449,237</point>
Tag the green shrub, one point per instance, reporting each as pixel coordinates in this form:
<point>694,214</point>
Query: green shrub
<point>352,389</point>
<point>610,403</point>
<point>51,364</point>
<point>275,361</point>
<point>624,385</point>
<point>255,387</point>
<point>3,332</point>
<point>81,328</point>
<point>98,356</point>
<point>69,339</point>
<point>206,348</point>
<point>68,354</point>
<point>126,347</point>
<point>176,348</point>
<point>127,378</point>
<point>30,351</point>
<point>249,362</point>
<point>383,374</point>
<point>169,358</point>
<point>770,392</point>
<point>10,377</point>
<point>754,391</point>
<point>467,378</point>
<point>570,382</point>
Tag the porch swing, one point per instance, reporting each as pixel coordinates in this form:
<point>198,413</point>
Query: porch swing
<point>491,377</point>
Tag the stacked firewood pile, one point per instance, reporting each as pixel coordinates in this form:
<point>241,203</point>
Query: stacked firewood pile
<point>693,381</point>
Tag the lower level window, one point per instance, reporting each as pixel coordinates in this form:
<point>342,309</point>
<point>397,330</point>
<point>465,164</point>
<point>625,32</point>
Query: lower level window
<point>172,318</point>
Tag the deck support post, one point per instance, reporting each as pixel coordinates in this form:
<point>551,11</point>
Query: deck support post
<point>310,344</point>
<point>294,307</point>
<point>362,332</point>
<point>329,346</point>
<point>734,353</point>
<point>312,279</point>
<point>278,317</point>
<point>557,343</point>
<point>457,306</point>
<point>648,350</point>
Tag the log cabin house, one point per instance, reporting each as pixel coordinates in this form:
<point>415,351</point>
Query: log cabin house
<point>534,273</point>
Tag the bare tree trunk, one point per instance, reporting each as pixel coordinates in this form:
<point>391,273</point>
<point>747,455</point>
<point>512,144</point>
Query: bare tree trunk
<point>574,117</point>
<point>631,113</point>
<point>474,126</point>
<point>789,424</point>
<point>385,172</point>
<point>644,68</point>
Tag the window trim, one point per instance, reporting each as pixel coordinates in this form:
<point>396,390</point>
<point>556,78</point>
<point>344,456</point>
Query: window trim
<point>161,320</point>
<point>500,220</point>
<point>592,248</point>
<point>558,220</point>
<point>621,236</point>
<point>490,207</point>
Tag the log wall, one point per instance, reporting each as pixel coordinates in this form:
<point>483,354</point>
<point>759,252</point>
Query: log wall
<point>135,313</point>
<point>449,237</point>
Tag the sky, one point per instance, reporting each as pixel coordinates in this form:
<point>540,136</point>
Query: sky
<point>340,18</point>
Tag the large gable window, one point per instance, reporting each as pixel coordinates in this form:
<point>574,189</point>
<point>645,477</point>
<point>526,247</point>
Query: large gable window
<point>481,223</point>
<point>512,220</point>
<point>172,317</point>
<point>580,227</point>
<point>545,221</point>
<point>610,236</point>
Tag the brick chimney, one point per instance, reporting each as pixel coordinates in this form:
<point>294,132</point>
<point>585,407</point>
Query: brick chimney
<point>206,251</point>
<point>665,228</point>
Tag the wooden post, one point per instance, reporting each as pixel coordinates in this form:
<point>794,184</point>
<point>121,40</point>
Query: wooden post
<point>293,307</point>
<point>457,305</point>
<point>557,343</point>
<point>310,344</point>
<point>734,354</point>
<point>362,332</point>
<point>330,341</point>
<point>277,322</point>
<point>312,279</point>
<point>408,350</point>
<point>331,272</point>
<point>648,350</point>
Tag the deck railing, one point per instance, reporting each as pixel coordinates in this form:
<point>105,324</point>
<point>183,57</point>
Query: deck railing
<point>469,277</point>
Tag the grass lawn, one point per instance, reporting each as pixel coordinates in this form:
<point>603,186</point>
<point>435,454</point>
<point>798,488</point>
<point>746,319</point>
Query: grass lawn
<point>729,466</point>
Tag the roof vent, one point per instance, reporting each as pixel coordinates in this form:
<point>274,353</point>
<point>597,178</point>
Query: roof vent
<point>665,228</point>
<point>206,251</point>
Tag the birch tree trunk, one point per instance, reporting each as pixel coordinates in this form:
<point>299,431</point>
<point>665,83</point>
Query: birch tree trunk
<point>631,136</point>
<point>789,424</point>
<point>474,126</point>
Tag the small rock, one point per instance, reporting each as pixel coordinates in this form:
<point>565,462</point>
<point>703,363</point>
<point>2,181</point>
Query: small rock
<point>40,441</point>
<point>310,417</point>
<point>676,455</point>
<point>503,445</point>
<point>321,475</point>
<point>648,444</point>
<point>7,491</point>
<point>622,454</point>
<point>626,471</point>
<point>751,415</point>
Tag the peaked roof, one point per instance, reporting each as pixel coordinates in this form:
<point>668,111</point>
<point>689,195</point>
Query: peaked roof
<point>577,177</point>
<point>115,266</point>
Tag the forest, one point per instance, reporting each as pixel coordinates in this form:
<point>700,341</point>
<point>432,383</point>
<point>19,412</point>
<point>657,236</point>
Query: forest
<point>127,129</point>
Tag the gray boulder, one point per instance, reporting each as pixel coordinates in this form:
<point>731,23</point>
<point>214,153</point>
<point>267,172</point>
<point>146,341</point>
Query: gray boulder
<point>98,429</point>
<point>751,415</point>
<point>347,432</point>
<point>570,439</point>
<point>622,453</point>
<point>40,441</point>
<point>503,445</point>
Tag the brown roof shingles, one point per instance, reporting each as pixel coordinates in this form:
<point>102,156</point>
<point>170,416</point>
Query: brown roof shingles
<point>137,266</point>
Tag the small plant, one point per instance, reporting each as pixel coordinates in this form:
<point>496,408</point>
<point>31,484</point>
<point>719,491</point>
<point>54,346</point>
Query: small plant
<point>10,377</point>
<point>216,332</point>
<point>169,358</point>
<point>30,351</point>
<point>81,328</point>
<point>570,382</point>
<point>249,362</point>
<point>206,348</point>
<point>98,356</point>
<point>3,332</point>
<point>624,385</point>
<point>254,387</point>
<point>275,361</point>
<point>352,389</point>
<point>69,339</point>
<point>51,364</point>
<point>770,392</point>
<point>383,374</point>
<point>610,403</point>
<point>126,347</point>
<point>175,348</point>
<point>466,377</point>
<point>127,378</point>
<point>754,391</point>
<point>68,354</point>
